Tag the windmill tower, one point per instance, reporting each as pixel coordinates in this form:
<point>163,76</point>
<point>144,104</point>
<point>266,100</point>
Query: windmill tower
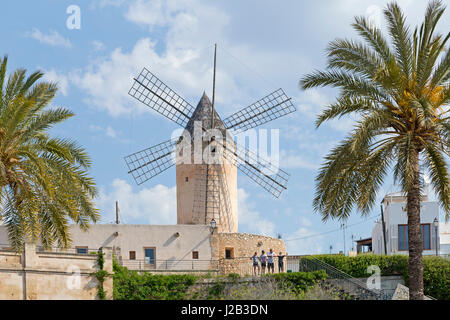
<point>206,156</point>
<point>207,189</point>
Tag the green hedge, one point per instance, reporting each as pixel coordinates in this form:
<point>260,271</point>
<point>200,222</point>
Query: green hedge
<point>130,285</point>
<point>436,270</point>
<point>299,281</point>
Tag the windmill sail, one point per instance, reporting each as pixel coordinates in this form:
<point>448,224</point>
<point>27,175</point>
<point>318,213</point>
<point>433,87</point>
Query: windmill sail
<point>151,91</point>
<point>271,107</point>
<point>146,164</point>
<point>270,177</point>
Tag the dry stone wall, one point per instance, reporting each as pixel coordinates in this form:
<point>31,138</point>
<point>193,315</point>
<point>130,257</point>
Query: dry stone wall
<point>241,247</point>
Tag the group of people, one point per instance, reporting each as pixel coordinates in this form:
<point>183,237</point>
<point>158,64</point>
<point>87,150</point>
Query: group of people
<point>267,261</point>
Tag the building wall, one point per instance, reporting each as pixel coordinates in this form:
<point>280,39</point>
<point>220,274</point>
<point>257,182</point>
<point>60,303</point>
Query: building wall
<point>51,276</point>
<point>211,247</point>
<point>395,214</point>
<point>444,236</point>
<point>168,246</point>
<point>243,247</point>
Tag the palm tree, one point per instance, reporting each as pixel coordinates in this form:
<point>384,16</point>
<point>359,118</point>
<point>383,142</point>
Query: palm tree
<point>400,93</point>
<point>44,184</point>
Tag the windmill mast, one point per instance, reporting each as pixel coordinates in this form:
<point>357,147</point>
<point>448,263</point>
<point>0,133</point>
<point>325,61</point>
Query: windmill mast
<point>214,87</point>
<point>212,127</point>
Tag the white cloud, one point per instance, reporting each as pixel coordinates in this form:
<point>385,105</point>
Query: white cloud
<point>250,218</point>
<point>311,104</point>
<point>107,82</point>
<point>60,79</point>
<point>294,160</point>
<point>185,64</point>
<point>53,38</point>
<point>305,222</point>
<point>105,3</point>
<point>303,241</point>
<point>148,12</point>
<point>108,131</point>
<point>156,205</point>
<point>98,45</point>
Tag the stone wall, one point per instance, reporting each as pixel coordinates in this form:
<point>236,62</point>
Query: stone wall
<point>51,275</point>
<point>242,247</point>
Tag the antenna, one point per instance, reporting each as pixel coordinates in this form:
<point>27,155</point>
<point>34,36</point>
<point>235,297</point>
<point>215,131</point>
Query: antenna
<point>117,212</point>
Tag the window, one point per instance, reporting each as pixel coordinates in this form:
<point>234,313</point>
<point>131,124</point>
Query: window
<point>194,254</point>
<point>213,150</point>
<point>186,179</point>
<point>132,255</point>
<point>403,237</point>
<point>229,253</point>
<point>81,250</point>
<point>149,254</point>
<point>426,236</point>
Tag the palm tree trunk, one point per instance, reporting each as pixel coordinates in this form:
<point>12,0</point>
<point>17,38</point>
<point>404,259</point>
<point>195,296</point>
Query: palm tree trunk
<point>415,264</point>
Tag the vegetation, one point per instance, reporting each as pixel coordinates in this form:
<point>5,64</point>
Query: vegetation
<point>43,180</point>
<point>298,282</point>
<point>400,93</point>
<point>131,285</point>
<point>436,272</point>
<point>101,275</point>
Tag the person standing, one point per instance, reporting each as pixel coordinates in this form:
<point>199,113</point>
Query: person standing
<point>255,263</point>
<point>263,260</point>
<point>281,262</point>
<point>270,256</point>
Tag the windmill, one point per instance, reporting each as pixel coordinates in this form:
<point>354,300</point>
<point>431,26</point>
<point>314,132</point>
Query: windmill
<point>206,176</point>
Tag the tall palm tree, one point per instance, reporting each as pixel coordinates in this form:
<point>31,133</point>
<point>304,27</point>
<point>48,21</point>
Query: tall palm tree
<point>44,184</point>
<point>400,91</point>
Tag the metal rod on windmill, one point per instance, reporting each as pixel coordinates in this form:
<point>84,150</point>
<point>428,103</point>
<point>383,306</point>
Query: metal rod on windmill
<point>211,138</point>
<point>214,87</point>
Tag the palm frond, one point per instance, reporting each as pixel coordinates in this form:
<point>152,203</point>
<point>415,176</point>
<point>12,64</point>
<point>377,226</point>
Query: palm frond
<point>437,167</point>
<point>401,37</point>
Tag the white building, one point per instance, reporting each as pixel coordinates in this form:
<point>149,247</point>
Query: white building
<point>396,220</point>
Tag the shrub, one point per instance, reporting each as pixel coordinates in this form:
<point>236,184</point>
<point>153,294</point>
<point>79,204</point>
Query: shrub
<point>216,291</point>
<point>320,292</point>
<point>266,288</point>
<point>130,285</point>
<point>284,286</point>
<point>233,276</point>
<point>298,281</point>
<point>436,270</point>
<point>436,277</point>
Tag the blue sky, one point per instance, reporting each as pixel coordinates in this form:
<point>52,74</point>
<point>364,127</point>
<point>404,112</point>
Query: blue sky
<point>262,45</point>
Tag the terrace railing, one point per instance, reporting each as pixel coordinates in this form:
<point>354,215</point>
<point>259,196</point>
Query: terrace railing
<point>171,265</point>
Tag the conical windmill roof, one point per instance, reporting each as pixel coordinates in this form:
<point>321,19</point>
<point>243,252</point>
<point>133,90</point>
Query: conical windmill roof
<point>203,113</point>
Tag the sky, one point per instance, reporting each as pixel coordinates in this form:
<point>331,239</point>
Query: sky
<point>262,45</point>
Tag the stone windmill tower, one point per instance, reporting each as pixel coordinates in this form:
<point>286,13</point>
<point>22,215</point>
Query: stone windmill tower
<point>207,190</point>
<point>206,156</point>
